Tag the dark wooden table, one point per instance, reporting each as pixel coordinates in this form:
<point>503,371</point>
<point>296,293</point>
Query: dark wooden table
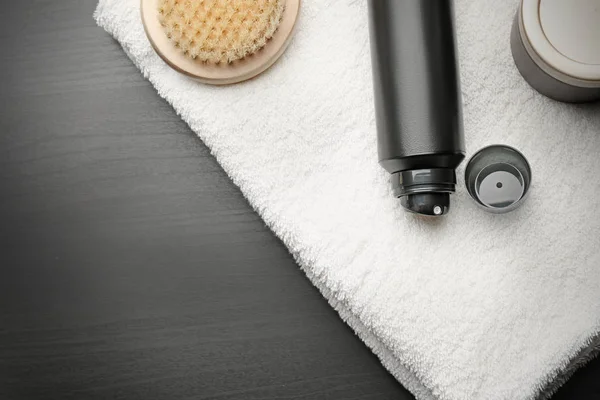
<point>131,267</point>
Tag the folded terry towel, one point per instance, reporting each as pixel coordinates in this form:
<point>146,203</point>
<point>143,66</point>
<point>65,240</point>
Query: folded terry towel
<point>471,306</point>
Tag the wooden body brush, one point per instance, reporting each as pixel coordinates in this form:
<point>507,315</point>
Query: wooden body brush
<point>220,41</point>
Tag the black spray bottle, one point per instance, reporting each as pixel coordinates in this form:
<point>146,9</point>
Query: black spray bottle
<point>417,100</point>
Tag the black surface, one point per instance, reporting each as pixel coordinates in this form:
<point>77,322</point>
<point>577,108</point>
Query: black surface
<point>131,268</point>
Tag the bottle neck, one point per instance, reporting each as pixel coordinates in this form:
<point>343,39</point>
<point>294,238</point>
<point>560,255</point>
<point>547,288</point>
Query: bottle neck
<point>425,191</point>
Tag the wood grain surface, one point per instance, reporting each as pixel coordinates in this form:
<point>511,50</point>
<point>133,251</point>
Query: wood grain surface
<point>131,267</point>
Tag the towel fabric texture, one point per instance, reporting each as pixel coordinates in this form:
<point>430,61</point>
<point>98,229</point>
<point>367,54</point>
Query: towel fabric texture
<point>469,306</point>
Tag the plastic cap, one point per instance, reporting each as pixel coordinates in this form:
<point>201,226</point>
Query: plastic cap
<point>498,178</point>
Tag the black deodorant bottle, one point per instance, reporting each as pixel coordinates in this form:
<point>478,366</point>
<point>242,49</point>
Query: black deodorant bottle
<point>417,100</point>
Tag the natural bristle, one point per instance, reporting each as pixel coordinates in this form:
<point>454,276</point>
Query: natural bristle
<point>220,31</point>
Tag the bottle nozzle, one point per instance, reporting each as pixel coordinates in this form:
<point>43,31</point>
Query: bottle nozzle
<point>425,191</point>
<point>433,204</point>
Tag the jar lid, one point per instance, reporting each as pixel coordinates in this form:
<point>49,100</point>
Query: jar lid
<point>565,34</point>
<point>498,178</point>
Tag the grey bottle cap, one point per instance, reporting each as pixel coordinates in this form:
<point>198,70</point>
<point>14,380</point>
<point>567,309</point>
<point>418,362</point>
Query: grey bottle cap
<point>498,178</point>
<point>555,48</point>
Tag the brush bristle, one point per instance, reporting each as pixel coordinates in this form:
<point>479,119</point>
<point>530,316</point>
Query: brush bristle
<point>220,31</point>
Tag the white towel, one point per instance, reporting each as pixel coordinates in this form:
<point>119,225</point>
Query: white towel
<point>469,306</point>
